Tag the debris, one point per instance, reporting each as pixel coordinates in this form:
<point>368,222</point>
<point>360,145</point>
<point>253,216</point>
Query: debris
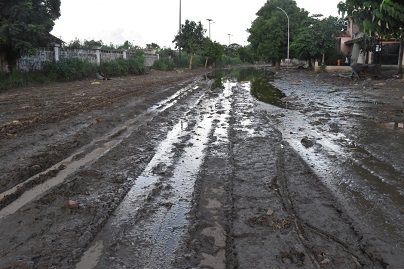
<point>282,224</point>
<point>168,205</point>
<point>101,76</point>
<point>295,83</point>
<point>72,204</point>
<point>325,261</point>
<point>95,82</point>
<point>270,212</point>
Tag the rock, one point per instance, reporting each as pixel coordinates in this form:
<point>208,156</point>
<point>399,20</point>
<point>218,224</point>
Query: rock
<point>160,169</point>
<point>307,142</point>
<point>270,212</point>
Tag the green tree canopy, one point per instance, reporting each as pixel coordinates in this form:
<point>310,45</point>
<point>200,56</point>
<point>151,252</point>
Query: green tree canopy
<point>152,46</point>
<point>25,25</point>
<point>190,39</point>
<point>212,51</point>
<point>318,39</point>
<point>268,32</point>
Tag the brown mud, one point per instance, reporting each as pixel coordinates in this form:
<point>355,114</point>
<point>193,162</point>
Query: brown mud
<point>167,170</point>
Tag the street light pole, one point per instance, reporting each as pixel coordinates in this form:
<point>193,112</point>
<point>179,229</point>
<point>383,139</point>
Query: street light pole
<point>229,38</point>
<point>288,36</point>
<point>210,21</point>
<point>179,39</point>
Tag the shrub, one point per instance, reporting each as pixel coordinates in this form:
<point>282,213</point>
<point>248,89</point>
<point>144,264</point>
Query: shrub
<point>226,60</point>
<point>119,67</point>
<point>164,65</point>
<point>18,78</point>
<point>69,69</point>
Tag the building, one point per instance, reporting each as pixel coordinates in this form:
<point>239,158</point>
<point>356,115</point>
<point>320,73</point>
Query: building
<point>384,52</point>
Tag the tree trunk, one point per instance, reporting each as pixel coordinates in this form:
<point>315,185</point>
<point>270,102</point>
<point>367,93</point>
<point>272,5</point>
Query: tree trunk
<point>11,60</point>
<point>191,57</point>
<point>400,57</point>
<point>206,61</point>
<point>278,65</point>
<point>323,59</point>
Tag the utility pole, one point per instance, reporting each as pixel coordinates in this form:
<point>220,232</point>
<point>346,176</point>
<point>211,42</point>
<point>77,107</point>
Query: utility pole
<point>179,39</point>
<point>288,37</point>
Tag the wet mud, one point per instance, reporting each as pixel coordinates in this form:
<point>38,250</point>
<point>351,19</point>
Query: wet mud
<point>243,168</point>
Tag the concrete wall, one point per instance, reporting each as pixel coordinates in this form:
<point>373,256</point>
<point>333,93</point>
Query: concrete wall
<point>95,56</point>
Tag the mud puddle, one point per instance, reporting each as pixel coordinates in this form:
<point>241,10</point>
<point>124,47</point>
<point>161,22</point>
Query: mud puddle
<point>152,219</point>
<point>335,134</point>
<point>338,133</point>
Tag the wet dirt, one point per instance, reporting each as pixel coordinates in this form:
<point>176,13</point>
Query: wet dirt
<point>187,169</point>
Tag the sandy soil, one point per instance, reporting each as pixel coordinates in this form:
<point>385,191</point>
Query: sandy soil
<point>166,171</point>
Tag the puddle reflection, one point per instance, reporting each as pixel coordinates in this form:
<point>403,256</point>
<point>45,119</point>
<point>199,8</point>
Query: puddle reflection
<point>259,80</point>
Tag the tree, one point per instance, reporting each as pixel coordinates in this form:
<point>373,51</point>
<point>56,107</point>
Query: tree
<point>25,25</point>
<point>152,46</point>
<point>212,51</point>
<point>382,18</point>
<point>89,44</point>
<point>268,32</point>
<point>190,38</point>
<point>317,39</point>
<point>245,54</point>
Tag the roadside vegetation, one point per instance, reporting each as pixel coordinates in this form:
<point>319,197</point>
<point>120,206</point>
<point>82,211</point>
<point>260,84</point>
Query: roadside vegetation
<point>311,38</point>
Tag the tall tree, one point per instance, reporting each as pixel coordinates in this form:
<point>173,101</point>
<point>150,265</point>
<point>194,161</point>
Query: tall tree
<point>382,18</point>
<point>25,25</point>
<point>212,51</point>
<point>190,39</point>
<point>318,39</point>
<point>268,32</point>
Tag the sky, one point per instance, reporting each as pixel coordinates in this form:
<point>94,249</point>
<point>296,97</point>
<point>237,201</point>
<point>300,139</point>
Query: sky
<point>157,21</point>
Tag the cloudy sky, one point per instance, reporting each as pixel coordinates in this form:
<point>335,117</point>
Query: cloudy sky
<point>157,21</point>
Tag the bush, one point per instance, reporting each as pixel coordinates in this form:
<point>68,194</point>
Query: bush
<point>119,67</point>
<point>18,78</point>
<point>164,65</point>
<point>69,69</point>
<point>226,60</point>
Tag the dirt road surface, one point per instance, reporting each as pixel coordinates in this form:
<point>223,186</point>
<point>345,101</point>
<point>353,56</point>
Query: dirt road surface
<point>187,169</point>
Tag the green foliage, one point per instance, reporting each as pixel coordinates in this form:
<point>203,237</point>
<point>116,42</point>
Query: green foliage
<point>165,64</point>
<point>25,25</point>
<point>190,39</point>
<point>316,39</point>
<point>18,78</point>
<point>119,67</point>
<point>226,61</point>
<point>152,46</point>
<point>246,55</point>
<point>381,17</point>
<point>167,53</point>
<point>268,32</point>
<point>89,44</point>
<point>74,44</point>
<point>69,69</point>
<point>212,51</point>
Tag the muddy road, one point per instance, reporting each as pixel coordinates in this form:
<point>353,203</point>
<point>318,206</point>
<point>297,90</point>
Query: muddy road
<point>238,168</point>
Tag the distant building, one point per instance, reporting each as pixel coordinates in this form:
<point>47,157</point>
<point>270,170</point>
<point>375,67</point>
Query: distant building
<point>385,52</point>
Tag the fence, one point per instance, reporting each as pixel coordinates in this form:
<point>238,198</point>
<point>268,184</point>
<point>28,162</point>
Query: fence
<point>95,56</point>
